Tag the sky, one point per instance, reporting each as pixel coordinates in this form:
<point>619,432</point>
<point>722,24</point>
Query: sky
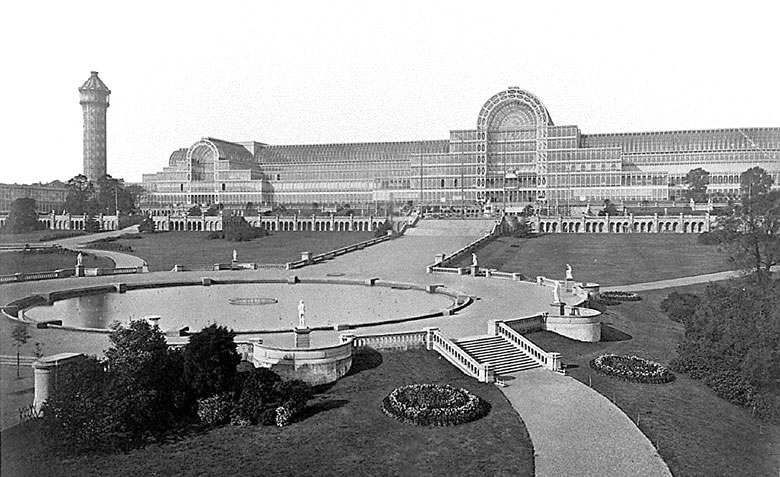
<point>330,72</point>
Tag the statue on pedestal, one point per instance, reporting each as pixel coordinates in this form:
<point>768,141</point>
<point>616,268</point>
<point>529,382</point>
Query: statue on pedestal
<point>569,275</point>
<point>301,313</point>
<point>235,255</point>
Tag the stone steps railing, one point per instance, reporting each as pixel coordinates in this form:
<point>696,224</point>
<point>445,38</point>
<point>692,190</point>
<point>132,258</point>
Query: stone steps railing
<point>442,263</point>
<point>457,356</point>
<point>399,341</point>
<point>551,361</point>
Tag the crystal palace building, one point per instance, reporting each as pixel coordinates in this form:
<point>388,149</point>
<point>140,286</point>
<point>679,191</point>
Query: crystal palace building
<point>515,156</point>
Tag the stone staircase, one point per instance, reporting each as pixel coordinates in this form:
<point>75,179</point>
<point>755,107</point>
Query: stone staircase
<point>503,357</point>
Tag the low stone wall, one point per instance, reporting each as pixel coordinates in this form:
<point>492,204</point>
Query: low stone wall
<point>586,326</point>
<point>315,366</point>
<point>400,341</point>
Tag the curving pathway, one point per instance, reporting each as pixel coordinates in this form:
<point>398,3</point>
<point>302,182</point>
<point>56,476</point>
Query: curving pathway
<point>121,260</point>
<point>681,282</point>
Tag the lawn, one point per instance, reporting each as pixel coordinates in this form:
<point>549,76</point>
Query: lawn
<point>344,433</point>
<point>696,433</point>
<point>165,249</point>
<point>607,259</point>
<point>19,262</point>
<point>34,237</point>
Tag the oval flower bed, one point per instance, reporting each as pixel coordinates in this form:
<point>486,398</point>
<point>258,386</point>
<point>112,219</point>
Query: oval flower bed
<point>620,296</point>
<point>434,405</point>
<point>632,368</point>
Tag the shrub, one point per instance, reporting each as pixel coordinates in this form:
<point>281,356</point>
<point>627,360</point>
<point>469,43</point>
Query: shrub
<point>61,235</point>
<point>146,225</point>
<point>680,307</point>
<point>210,361</point>
<point>258,395</point>
<point>632,368</point>
<point>264,392</point>
<point>215,410</point>
<point>620,296</point>
<point>434,405</point>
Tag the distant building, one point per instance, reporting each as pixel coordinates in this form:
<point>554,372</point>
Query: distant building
<point>515,156</point>
<point>94,96</point>
<point>47,197</point>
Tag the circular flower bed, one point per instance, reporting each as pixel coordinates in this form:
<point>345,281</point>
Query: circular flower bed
<point>632,368</point>
<point>620,296</point>
<point>434,405</point>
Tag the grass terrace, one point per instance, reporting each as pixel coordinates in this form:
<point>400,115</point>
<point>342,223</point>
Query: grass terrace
<point>696,432</point>
<point>343,432</point>
<point>21,262</point>
<point>163,250</point>
<point>607,259</point>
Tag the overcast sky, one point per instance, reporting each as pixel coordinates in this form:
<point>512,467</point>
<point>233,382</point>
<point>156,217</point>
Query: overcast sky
<point>329,72</point>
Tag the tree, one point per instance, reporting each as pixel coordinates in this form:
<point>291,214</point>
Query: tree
<point>22,217</point>
<point>210,361</point>
<point>81,196</point>
<point>609,208</point>
<point>751,234</point>
<point>146,225</point>
<point>146,391</point>
<point>195,211</point>
<point>111,193</point>
<point>20,335</point>
<point>697,181</point>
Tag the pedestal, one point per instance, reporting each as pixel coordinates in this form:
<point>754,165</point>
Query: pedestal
<point>302,337</point>
<point>80,270</point>
<point>474,270</point>
<point>569,284</point>
<point>561,306</point>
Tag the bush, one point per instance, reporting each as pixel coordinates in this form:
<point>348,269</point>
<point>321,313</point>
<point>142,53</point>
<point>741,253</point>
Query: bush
<point>210,361</point>
<point>680,307</point>
<point>215,410</point>
<point>632,368</point>
<point>264,392</point>
<point>146,225</point>
<point>434,405</point>
<point>620,296</point>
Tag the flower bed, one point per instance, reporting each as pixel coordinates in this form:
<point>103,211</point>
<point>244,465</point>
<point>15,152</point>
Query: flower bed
<point>632,368</point>
<point>434,405</point>
<point>620,296</point>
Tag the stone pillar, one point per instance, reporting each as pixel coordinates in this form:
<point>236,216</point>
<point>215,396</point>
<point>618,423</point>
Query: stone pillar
<point>302,337</point>
<point>344,337</point>
<point>307,256</point>
<point>554,363</point>
<point>440,257</point>
<point>656,228</point>
<point>429,332</point>
<point>45,370</point>
<point>569,284</point>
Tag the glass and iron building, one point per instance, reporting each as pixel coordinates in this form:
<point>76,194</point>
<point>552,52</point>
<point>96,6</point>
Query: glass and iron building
<point>515,156</point>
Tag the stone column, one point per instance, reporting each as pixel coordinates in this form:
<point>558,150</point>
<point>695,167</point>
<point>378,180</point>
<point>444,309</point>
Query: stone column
<point>429,331</point>
<point>302,337</point>
<point>45,370</point>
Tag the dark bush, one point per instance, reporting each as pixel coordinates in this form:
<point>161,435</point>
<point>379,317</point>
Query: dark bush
<point>620,296</point>
<point>215,410</point>
<point>61,235</point>
<point>258,395</point>
<point>680,307</point>
<point>210,361</point>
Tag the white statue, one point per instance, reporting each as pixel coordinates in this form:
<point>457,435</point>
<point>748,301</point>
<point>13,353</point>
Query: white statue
<point>569,275</point>
<point>473,259</point>
<point>235,255</point>
<point>557,292</point>
<point>80,260</point>
<point>301,313</point>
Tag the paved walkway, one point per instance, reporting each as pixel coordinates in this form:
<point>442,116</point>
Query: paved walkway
<point>681,282</point>
<point>121,260</point>
<point>577,431</point>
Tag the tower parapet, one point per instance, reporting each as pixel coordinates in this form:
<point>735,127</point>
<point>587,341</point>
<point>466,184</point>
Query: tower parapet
<point>93,97</point>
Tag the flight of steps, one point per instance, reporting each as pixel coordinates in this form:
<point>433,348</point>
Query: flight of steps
<point>499,353</point>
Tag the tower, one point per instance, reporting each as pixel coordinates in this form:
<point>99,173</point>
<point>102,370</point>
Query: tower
<point>93,96</point>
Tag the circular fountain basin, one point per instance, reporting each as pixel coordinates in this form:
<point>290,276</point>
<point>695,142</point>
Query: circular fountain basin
<point>196,307</point>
